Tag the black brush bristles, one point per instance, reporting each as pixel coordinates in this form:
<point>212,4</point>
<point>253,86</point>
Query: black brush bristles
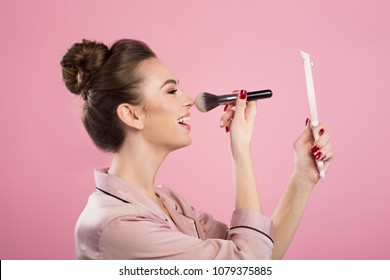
<point>206,101</point>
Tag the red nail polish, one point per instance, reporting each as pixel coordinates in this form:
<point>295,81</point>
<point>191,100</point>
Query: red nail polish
<point>323,158</point>
<point>225,108</point>
<point>315,149</point>
<point>227,129</point>
<point>318,155</point>
<point>243,94</point>
<point>321,131</point>
<point>307,120</point>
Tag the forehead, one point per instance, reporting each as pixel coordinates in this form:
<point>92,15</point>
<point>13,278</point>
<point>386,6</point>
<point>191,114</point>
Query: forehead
<point>155,71</point>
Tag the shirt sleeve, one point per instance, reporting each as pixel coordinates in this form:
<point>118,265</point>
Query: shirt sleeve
<point>143,237</point>
<point>211,228</point>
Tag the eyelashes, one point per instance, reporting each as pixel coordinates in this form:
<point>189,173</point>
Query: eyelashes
<point>172,91</point>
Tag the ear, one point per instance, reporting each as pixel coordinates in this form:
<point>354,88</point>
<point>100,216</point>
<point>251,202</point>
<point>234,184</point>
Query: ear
<point>131,115</point>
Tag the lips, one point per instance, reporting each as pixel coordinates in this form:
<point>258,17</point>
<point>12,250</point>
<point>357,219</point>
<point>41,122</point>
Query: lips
<point>183,121</point>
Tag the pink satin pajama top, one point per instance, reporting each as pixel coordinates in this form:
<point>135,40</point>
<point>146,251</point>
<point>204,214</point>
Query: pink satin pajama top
<point>121,222</point>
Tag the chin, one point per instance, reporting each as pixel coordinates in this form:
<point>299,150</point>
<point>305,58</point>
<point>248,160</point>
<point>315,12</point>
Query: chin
<point>187,143</point>
<point>184,144</point>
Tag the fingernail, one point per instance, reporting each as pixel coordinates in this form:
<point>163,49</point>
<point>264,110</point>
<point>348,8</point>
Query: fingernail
<point>323,158</point>
<point>314,149</point>
<point>243,94</point>
<point>227,129</point>
<point>321,131</point>
<point>307,120</point>
<point>318,155</point>
<point>225,108</point>
<point>221,123</point>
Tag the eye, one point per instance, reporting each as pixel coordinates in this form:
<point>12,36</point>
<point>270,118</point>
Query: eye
<point>172,91</point>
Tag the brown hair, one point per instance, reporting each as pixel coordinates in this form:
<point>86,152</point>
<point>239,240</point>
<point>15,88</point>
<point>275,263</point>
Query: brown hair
<point>105,78</point>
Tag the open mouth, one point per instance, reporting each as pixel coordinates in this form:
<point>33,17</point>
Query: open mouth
<point>183,121</point>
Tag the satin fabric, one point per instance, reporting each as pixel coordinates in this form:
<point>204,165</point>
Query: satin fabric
<point>121,222</point>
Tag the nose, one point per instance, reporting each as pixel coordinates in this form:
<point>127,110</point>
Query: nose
<point>188,101</point>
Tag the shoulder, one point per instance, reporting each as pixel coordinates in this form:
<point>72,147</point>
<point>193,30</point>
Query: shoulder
<point>102,210</point>
<point>106,218</point>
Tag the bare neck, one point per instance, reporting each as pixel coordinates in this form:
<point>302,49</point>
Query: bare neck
<point>137,164</point>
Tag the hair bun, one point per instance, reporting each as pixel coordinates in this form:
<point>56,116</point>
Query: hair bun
<point>80,63</point>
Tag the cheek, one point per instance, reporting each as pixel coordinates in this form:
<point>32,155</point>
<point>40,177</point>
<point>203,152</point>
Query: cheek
<point>162,117</point>
<point>166,109</point>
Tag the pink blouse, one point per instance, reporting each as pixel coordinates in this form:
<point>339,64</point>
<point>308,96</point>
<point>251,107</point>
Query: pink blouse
<point>121,222</point>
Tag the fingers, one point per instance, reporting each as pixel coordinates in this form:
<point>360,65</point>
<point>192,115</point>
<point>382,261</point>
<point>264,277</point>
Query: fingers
<point>328,161</point>
<point>241,104</point>
<point>244,111</point>
<point>227,119</point>
<point>322,149</point>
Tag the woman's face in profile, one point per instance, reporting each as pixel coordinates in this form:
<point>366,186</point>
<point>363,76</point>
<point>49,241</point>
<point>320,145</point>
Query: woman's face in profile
<point>166,122</point>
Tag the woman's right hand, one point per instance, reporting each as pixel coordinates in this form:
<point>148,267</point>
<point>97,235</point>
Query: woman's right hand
<point>239,120</point>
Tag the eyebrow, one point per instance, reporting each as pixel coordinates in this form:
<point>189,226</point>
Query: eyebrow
<point>170,81</point>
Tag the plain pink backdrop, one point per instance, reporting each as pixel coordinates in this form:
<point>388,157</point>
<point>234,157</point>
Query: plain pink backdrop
<point>47,158</point>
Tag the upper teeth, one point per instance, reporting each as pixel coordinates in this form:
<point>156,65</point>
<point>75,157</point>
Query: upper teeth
<point>183,119</point>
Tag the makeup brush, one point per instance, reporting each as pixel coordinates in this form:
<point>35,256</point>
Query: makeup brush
<point>206,101</point>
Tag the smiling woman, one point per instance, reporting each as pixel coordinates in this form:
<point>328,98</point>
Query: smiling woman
<point>135,109</point>
<point>165,107</point>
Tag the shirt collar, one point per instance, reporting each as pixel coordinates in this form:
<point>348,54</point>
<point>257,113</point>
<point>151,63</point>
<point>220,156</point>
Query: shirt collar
<point>123,190</point>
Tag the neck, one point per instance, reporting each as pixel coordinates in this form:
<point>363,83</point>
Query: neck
<point>137,164</point>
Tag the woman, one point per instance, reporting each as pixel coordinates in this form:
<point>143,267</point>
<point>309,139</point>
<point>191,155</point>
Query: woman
<point>135,109</point>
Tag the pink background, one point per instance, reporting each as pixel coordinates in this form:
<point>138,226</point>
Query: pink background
<point>47,159</point>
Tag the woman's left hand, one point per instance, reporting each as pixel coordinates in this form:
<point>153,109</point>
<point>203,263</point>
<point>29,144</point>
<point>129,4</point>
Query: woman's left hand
<point>307,150</point>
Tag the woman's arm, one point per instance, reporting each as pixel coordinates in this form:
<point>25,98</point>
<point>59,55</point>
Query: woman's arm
<point>240,123</point>
<point>289,212</point>
<point>290,209</point>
